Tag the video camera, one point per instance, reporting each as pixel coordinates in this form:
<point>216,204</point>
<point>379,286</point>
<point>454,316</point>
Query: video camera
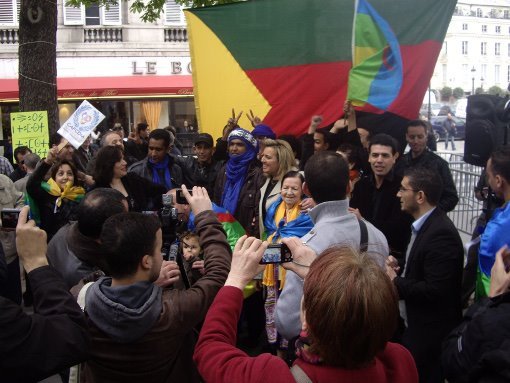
<point>171,226</point>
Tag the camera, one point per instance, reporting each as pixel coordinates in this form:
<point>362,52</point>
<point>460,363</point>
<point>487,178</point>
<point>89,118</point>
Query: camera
<point>168,215</point>
<point>278,253</point>
<point>180,198</point>
<point>9,218</point>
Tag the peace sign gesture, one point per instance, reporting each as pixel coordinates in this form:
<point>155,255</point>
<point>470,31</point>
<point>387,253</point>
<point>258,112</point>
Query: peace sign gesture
<point>253,119</point>
<point>232,121</point>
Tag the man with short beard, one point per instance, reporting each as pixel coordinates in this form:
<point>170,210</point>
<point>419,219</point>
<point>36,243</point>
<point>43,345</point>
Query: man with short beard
<point>139,331</point>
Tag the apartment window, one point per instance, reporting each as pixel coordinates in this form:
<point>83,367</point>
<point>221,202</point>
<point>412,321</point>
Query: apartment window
<point>444,50</point>
<point>464,27</point>
<point>508,49</point>
<point>496,74</point>
<point>479,12</point>
<point>508,73</point>
<point>445,72</point>
<point>465,72</point>
<point>173,13</point>
<point>506,14</point>
<point>497,49</point>
<point>484,70</point>
<point>483,46</point>
<point>93,15</point>
<point>9,11</point>
<point>464,47</point>
<point>498,29</point>
<point>484,28</point>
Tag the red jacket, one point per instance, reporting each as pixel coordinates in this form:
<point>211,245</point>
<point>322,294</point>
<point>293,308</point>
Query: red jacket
<point>218,359</point>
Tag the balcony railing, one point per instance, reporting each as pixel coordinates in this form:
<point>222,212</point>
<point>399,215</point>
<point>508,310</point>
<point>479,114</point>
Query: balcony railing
<point>102,35</point>
<point>9,36</point>
<point>176,35</point>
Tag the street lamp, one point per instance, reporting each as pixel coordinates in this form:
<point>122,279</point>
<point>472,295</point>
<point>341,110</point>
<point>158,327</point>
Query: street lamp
<point>473,71</point>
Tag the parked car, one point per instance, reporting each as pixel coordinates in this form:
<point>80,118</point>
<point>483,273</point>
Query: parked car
<point>437,126</point>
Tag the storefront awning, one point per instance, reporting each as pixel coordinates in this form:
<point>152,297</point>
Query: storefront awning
<point>109,87</point>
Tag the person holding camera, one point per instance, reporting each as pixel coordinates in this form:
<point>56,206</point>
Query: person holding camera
<point>33,347</point>
<point>351,343</point>
<point>140,331</point>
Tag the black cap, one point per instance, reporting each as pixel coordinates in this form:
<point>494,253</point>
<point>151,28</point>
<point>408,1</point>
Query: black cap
<point>206,138</point>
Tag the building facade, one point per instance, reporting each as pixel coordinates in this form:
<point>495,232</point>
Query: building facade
<point>476,50</point>
<point>130,70</point>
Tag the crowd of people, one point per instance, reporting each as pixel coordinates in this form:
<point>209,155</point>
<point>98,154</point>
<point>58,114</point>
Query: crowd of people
<point>373,290</point>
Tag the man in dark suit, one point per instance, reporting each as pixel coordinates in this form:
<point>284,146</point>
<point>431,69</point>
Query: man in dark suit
<point>430,284</point>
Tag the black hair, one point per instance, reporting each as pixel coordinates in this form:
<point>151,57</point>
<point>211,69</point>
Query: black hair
<point>97,206</point>
<point>126,238</point>
<point>141,126</point>
<point>21,149</point>
<point>500,162</point>
<point>327,176</point>
<point>160,134</point>
<point>427,181</point>
<point>417,123</point>
<point>384,140</point>
<point>326,134</point>
<point>106,159</point>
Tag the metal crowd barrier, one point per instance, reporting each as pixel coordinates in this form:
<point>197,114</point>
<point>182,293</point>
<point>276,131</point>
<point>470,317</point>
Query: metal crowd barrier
<point>465,176</point>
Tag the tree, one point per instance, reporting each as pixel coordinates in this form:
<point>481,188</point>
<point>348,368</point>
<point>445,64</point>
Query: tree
<point>151,9</point>
<point>479,90</point>
<point>38,59</point>
<point>38,48</point>
<point>458,93</point>
<point>446,93</point>
<point>496,90</point>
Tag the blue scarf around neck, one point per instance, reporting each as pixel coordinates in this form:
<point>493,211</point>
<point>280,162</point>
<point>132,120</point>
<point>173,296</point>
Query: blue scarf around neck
<point>237,169</point>
<point>163,165</point>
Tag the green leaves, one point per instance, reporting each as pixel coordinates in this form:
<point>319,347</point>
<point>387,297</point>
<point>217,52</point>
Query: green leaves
<point>150,10</point>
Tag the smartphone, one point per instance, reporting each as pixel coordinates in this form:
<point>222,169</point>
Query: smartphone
<point>279,253</point>
<point>9,218</point>
<point>180,197</point>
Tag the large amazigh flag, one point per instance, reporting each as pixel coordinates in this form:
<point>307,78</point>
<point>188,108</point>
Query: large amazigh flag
<point>290,59</point>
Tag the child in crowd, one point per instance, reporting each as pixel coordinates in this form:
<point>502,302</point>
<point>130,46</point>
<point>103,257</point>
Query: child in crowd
<point>193,256</point>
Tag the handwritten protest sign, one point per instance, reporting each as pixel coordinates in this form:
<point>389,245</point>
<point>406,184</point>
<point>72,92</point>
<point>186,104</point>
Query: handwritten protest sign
<point>83,121</point>
<point>31,129</point>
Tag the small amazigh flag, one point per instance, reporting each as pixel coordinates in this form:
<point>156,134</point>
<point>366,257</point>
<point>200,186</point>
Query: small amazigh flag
<point>288,60</point>
<point>376,74</point>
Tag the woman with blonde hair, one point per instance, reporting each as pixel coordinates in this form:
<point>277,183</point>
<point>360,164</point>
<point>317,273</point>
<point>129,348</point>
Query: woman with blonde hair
<point>277,159</point>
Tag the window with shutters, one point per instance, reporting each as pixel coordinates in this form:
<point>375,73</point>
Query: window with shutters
<point>9,12</point>
<point>173,13</point>
<point>93,15</point>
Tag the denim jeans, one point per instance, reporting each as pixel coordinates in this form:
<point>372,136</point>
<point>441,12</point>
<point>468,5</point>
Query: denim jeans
<point>449,137</point>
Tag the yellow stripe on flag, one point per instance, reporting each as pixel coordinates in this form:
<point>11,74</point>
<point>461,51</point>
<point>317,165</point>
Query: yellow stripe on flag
<point>219,82</point>
<point>363,53</point>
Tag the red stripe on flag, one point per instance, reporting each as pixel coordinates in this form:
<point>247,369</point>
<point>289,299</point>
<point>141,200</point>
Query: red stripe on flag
<point>225,217</point>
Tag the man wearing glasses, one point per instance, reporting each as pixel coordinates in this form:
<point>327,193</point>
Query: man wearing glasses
<point>429,287</point>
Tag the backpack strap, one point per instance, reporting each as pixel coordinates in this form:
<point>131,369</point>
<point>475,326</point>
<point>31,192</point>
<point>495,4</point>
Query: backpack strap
<point>363,241</point>
<point>299,375</point>
<point>81,295</point>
